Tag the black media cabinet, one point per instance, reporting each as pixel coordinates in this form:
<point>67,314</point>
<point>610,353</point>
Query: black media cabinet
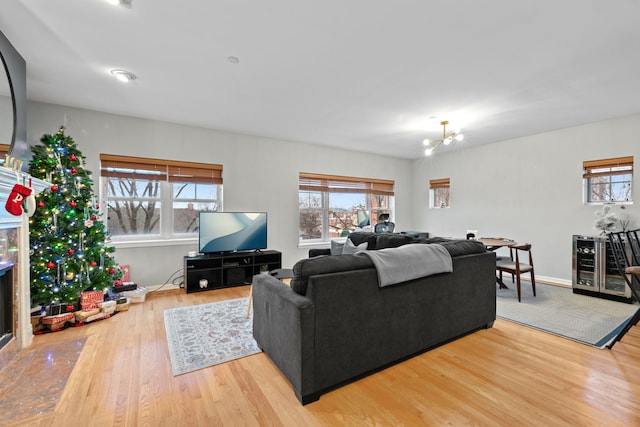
<point>215,271</point>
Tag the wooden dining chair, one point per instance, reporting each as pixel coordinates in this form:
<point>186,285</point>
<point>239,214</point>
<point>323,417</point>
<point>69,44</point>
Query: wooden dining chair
<point>515,267</point>
<point>625,249</point>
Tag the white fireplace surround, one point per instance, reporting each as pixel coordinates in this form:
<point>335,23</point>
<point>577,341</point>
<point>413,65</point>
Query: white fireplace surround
<point>23,332</point>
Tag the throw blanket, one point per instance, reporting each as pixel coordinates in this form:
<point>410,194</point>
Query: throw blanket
<point>408,262</point>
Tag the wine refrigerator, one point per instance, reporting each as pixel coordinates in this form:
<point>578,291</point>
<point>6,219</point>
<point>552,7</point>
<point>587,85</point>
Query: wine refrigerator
<point>594,269</point>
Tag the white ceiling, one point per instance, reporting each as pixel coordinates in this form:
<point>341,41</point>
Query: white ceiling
<point>360,74</point>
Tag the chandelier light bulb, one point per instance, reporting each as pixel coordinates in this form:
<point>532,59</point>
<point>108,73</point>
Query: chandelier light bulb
<point>447,138</point>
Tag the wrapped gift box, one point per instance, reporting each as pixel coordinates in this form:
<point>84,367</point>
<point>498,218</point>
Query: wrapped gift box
<point>58,321</point>
<point>123,306</point>
<point>89,300</point>
<point>82,316</point>
<point>138,295</point>
<point>98,316</point>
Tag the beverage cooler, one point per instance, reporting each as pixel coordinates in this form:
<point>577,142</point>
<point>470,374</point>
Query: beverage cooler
<point>594,269</point>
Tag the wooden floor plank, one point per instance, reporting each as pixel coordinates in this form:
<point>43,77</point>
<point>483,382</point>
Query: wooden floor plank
<point>506,375</point>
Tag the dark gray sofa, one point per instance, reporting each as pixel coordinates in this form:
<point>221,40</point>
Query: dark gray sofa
<point>335,324</point>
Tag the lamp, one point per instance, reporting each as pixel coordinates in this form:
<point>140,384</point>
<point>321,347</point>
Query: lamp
<point>447,139</point>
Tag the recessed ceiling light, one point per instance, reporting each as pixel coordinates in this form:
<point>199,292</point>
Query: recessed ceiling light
<point>125,3</point>
<point>123,75</point>
<point>233,59</point>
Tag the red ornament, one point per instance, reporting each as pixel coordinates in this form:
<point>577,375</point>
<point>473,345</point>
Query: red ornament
<point>73,158</point>
<point>72,204</point>
<point>97,206</point>
<point>41,204</point>
<point>93,263</point>
<point>111,271</point>
<point>74,170</point>
<point>50,264</point>
<point>93,217</point>
<point>54,188</point>
<point>70,251</point>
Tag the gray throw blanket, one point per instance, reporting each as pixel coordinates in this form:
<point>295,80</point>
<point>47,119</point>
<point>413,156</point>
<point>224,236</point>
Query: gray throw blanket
<point>408,262</point>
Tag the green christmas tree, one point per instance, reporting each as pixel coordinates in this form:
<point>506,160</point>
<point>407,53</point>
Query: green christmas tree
<point>70,250</point>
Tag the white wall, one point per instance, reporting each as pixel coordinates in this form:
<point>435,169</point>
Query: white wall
<point>529,189</point>
<point>260,174</point>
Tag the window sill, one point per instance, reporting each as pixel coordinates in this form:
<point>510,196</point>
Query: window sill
<point>320,245</point>
<point>608,203</point>
<point>123,244</point>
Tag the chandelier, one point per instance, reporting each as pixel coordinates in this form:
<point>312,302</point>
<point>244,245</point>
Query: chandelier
<point>447,138</point>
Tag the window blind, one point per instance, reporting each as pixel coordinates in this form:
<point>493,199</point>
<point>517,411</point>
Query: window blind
<point>439,183</point>
<point>608,167</point>
<point>159,170</point>
<point>344,184</point>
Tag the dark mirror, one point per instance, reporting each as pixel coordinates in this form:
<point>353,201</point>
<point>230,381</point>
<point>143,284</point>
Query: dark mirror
<point>13,102</point>
<point>6,108</point>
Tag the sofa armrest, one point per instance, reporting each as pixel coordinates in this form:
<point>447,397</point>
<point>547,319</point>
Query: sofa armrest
<point>317,252</point>
<point>283,327</point>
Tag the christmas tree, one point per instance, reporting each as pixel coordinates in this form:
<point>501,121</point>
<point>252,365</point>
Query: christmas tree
<point>70,250</point>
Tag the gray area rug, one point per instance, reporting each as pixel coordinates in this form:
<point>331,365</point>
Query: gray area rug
<point>557,310</point>
<point>204,335</point>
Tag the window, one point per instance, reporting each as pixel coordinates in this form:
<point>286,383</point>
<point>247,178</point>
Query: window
<point>152,198</point>
<point>439,193</point>
<point>332,206</point>
<point>608,180</point>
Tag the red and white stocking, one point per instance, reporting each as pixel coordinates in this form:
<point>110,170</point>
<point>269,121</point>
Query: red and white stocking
<point>17,196</point>
<point>29,205</point>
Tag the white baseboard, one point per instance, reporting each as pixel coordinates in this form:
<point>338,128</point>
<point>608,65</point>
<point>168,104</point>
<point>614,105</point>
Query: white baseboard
<point>167,287</point>
<point>550,280</point>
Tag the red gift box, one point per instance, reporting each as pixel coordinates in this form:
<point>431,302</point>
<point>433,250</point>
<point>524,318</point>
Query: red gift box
<point>58,321</point>
<point>89,300</point>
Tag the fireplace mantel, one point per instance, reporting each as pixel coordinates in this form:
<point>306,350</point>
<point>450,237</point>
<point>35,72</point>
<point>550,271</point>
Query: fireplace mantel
<point>22,293</point>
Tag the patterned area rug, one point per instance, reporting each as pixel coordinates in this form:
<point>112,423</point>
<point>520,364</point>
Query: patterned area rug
<point>205,335</point>
<point>557,310</point>
<point>34,379</point>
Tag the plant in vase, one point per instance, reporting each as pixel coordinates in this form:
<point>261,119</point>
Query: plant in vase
<point>605,219</point>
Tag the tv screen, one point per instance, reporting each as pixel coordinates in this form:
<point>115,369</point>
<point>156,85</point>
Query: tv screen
<point>232,231</point>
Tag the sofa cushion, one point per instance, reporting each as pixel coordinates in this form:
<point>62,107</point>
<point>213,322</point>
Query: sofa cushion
<point>463,247</point>
<point>346,248</point>
<point>387,240</point>
<point>359,237</point>
<point>336,247</point>
<point>305,268</point>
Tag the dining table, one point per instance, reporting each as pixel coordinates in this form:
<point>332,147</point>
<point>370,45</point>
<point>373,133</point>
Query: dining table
<point>493,244</point>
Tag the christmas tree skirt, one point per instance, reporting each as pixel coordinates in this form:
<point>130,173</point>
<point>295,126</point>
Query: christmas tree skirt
<point>207,334</point>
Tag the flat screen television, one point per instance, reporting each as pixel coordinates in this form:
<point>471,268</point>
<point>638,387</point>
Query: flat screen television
<point>232,231</point>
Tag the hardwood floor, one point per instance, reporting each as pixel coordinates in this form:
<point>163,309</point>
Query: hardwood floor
<point>508,375</point>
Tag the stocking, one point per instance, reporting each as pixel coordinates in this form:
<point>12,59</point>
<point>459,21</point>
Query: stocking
<point>17,196</point>
<point>30,204</point>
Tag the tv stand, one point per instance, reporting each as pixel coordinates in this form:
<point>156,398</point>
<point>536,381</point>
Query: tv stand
<point>216,271</point>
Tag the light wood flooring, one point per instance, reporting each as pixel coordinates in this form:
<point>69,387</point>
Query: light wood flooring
<point>508,375</point>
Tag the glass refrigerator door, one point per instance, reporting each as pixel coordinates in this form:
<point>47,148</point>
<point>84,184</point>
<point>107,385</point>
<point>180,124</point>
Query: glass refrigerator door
<point>612,282</point>
<point>585,269</point>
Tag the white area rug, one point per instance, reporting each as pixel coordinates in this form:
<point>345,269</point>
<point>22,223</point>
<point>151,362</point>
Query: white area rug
<point>205,335</point>
<point>557,310</point>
